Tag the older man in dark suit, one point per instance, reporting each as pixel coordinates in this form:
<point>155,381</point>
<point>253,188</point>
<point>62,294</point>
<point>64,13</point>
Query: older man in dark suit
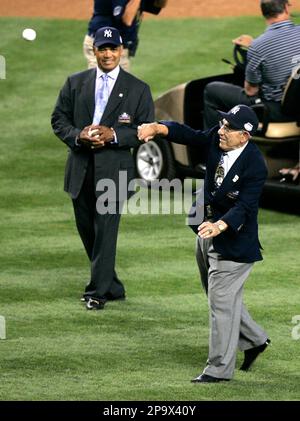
<point>96,115</point>
<point>227,244</point>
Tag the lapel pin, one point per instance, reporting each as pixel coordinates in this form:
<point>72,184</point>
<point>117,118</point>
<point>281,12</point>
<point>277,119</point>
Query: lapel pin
<point>121,95</point>
<point>235,179</point>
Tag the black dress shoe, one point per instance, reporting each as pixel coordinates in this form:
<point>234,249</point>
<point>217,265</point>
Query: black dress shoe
<point>94,304</point>
<point>122,297</point>
<point>252,354</point>
<point>205,378</point>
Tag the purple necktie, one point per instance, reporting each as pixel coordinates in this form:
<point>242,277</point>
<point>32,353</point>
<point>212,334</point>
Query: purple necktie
<point>101,99</point>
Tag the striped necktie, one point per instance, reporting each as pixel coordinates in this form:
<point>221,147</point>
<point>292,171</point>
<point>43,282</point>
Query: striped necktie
<point>101,99</point>
<point>220,172</point>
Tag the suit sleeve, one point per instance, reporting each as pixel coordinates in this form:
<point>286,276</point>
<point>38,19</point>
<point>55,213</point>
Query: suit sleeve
<point>127,135</point>
<point>185,135</point>
<point>250,193</point>
<point>62,118</point>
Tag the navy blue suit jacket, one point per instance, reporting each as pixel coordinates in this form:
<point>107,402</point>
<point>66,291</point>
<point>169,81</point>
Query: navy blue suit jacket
<point>236,201</point>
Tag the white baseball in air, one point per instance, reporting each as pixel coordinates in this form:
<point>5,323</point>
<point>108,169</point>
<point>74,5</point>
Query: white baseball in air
<point>29,34</point>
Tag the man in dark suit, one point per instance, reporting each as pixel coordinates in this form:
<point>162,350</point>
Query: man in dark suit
<point>227,243</point>
<point>96,115</point>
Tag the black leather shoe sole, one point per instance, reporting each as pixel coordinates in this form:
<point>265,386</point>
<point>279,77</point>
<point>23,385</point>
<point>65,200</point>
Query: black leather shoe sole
<point>252,354</point>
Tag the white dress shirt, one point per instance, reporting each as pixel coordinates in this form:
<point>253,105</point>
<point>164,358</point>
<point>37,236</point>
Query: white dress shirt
<point>231,157</point>
<point>112,77</point>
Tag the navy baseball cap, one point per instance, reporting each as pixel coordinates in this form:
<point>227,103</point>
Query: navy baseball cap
<point>241,117</point>
<point>107,35</point>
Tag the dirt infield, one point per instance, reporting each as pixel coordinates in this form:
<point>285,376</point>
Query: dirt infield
<point>81,9</point>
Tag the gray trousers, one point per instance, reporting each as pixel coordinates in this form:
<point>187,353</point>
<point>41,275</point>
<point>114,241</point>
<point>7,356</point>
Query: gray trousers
<point>231,326</point>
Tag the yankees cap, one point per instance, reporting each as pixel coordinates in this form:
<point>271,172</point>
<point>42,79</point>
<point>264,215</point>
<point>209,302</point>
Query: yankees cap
<point>241,117</point>
<point>107,35</point>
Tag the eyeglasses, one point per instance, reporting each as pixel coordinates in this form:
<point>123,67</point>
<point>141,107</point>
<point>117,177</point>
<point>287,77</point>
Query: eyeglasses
<point>227,128</point>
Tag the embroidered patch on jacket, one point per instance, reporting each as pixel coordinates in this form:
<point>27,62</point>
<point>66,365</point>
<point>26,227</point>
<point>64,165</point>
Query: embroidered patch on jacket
<point>233,194</point>
<point>124,118</point>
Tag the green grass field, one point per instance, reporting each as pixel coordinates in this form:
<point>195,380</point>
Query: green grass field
<point>150,346</point>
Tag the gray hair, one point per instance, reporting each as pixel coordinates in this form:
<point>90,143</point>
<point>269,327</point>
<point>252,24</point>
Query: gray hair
<point>272,8</point>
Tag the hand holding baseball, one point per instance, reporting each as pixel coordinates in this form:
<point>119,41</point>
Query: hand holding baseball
<point>90,136</point>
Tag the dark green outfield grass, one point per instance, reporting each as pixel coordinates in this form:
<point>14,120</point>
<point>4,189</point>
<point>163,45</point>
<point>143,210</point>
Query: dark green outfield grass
<point>150,346</point>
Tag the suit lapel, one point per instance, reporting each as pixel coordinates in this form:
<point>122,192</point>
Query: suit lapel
<point>233,173</point>
<point>117,95</point>
<point>88,89</point>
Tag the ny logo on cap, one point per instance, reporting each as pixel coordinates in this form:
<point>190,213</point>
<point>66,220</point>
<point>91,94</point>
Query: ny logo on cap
<point>108,33</point>
<point>235,110</point>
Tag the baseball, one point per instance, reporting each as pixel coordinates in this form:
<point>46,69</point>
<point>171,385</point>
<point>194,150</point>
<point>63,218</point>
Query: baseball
<point>29,34</point>
<point>92,132</point>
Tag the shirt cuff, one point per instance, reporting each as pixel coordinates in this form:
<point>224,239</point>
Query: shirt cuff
<point>115,141</point>
<point>77,142</point>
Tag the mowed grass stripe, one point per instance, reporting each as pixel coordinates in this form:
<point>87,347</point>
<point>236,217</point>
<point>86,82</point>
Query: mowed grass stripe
<point>150,346</point>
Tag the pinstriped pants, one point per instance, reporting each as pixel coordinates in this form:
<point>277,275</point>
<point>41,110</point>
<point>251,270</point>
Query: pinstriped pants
<point>231,326</point>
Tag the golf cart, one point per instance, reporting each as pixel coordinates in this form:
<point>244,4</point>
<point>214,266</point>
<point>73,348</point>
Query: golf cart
<point>278,141</point>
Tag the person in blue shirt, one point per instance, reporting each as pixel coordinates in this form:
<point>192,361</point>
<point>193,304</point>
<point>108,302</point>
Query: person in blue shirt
<point>271,59</point>
<point>125,15</point>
